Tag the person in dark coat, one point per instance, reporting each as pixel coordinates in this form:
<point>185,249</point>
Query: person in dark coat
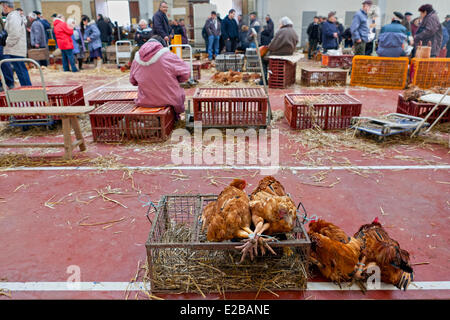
<point>313,32</point>
<point>347,36</point>
<point>330,33</point>
<point>161,22</point>
<point>254,24</point>
<point>184,37</point>
<point>341,29</point>
<point>213,29</point>
<point>268,31</point>
<point>406,22</point>
<point>38,39</point>
<point>430,30</point>
<point>392,38</point>
<point>446,24</point>
<point>230,31</point>
<point>105,30</point>
<point>45,23</point>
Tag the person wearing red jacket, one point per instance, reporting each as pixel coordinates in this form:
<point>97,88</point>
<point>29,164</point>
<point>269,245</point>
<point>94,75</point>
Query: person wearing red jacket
<point>63,35</point>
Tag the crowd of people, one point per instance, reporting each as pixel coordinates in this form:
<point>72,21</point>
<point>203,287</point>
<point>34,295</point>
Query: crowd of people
<point>399,38</point>
<point>228,34</point>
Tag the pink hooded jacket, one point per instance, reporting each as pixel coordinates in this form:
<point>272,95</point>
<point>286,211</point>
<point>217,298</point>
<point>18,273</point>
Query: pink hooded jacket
<point>157,72</point>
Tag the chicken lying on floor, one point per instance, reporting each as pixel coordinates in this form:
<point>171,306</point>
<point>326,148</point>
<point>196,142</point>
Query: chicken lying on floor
<point>273,211</point>
<point>228,217</point>
<point>333,252</point>
<point>380,248</point>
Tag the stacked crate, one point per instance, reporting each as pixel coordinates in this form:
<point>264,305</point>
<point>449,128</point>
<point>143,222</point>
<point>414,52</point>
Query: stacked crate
<point>116,95</point>
<point>227,62</point>
<point>252,60</point>
<point>323,77</point>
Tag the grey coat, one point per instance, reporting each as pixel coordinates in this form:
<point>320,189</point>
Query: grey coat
<point>285,42</point>
<point>430,30</point>
<point>16,43</point>
<point>37,35</point>
<point>211,30</point>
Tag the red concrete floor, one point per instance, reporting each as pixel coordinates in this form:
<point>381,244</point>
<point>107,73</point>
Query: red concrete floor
<point>39,243</point>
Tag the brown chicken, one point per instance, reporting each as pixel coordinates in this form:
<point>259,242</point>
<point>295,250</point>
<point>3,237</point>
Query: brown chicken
<point>380,248</point>
<point>273,211</point>
<point>334,253</point>
<point>228,217</point>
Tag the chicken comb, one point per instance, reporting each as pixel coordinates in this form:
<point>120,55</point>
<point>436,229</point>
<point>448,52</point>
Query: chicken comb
<point>376,220</point>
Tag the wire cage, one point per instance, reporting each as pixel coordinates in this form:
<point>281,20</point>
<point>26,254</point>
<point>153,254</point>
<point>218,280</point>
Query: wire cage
<point>181,260</point>
<point>230,61</point>
<point>427,73</point>
<point>311,76</point>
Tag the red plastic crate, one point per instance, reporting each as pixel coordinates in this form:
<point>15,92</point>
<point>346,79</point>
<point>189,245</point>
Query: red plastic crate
<point>324,77</point>
<point>421,109</point>
<point>342,61</point>
<point>283,73</point>
<point>58,96</point>
<point>334,111</point>
<point>115,122</point>
<point>197,66</point>
<point>230,107</point>
<point>116,95</point>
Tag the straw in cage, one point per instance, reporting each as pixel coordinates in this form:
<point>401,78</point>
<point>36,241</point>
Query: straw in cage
<point>205,271</point>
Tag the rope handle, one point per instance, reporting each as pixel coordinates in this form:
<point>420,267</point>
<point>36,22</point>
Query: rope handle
<point>148,203</point>
<point>314,217</point>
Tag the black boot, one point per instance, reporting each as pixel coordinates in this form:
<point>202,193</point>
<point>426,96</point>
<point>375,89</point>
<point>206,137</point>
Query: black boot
<point>80,64</point>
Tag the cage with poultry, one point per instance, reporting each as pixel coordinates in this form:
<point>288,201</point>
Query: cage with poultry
<point>180,258</point>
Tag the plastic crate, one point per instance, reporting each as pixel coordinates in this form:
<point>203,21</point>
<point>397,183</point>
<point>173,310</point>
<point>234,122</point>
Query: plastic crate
<point>58,96</point>
<point>117,95</point>
<point>428,73</point>
<point>115,121</point>
<point>342,61</point>
<point>333,111</point>
<point>323,77</point>
<point>283,73</point>
<point>379,72</point>
<point>230,107</point>
<point>226,62</point>
<point>197,66</point>
<point>421,109</point>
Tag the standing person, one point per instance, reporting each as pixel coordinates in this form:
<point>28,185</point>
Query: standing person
<point>341,29</point>
<point>221,39</point>
<point>213,30</point>
<point>63,33</point>
<point>184,36</point>
<point>254,24</point>
<point>205,35</point>
<point>38,39</point>
<point>143,33</point>
<point>161,22</point>
<point>105,30</point>
<point>445,40</point>
<point>415,26</point>
<point>347,36</point>
<point>45,23</point>
<point>16,45</point>
<point>330,33</point>
<point>430,30</point>
<point>6,68</point>
<point>371,21</point>
<point>78,43</point>
<point>92,37</point>
<point>111,25</point>
<point>230,31</point>
<point>360,28</point>
<point>243,44</point>
<point>267,32</point>
<point>406,22</point>
<point>446,24</point>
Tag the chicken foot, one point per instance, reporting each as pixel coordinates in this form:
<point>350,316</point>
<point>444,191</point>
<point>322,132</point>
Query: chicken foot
<point>405,280</point>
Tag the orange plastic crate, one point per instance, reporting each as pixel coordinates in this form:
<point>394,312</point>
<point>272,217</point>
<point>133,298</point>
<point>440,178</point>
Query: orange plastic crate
<point>428,73</point>
<point>379,72</point>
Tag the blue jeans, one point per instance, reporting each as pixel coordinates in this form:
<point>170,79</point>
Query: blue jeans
<point>67,57</point>
<point>7,71</point>
<point>213,42</point>
<point>21,71</point>
<point>252,45</point>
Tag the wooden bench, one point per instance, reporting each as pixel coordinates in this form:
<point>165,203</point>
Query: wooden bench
<point>69,117</point>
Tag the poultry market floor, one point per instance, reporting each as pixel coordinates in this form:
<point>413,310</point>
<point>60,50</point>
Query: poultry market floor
<point>40,211</point>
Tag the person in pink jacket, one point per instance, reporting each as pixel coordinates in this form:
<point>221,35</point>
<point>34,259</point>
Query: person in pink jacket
<point>157,73</point>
